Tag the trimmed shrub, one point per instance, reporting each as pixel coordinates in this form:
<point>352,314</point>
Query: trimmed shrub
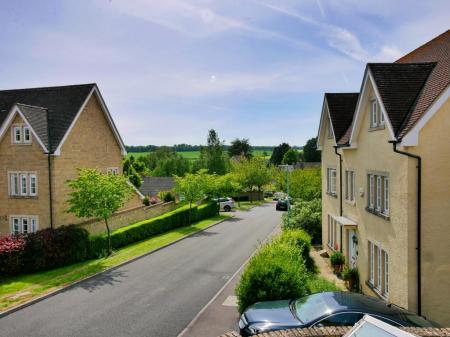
<point>166,196</point>
<point>276,272</point>
<point>147,228</point>
<point>306,215</point>
<point>45,249</point>
<point>302,241</point>
<point>146,201</point>
<point>12,249</point>
<point>337,259</point>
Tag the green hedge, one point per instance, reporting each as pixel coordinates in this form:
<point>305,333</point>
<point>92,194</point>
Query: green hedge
<point>147,228</point>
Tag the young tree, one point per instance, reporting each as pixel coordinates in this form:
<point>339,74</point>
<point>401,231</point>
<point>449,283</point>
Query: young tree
<point>253,173</point>
<point>310,152</point>
<point>240,147</point>
<point>290,157</point>
<point>278,153</point>
<point>193,186</point>
<point>213,154</point>
<point>96,194</point>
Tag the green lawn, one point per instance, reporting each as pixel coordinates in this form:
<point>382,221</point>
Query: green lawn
<point>192,155</point>
<point>19,289</point>
<point>246,205</point>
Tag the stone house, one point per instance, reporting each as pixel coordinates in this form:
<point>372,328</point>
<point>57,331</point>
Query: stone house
<point>45,135</point>
<point>386,179</point>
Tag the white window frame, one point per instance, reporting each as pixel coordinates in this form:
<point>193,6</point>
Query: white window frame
<point>330,232</point>
<point>373,113</point>
<point>23,184</point>
<point>371,263</point>
<point>378,194</point>
<point>386,196</point>
<point>17,131</point>
<point>330,129</point>
<point>14,184</point>
<point>386,273</point>
<point>350,185</point>
<point>26,131</point>
<point>371,190</point>
<point>33,179</point>
<point>331,180</point>
<point>20,221</point>
<point>379,269</point>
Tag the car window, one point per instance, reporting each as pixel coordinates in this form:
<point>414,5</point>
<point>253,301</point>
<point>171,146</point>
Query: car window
<point>343,319</point>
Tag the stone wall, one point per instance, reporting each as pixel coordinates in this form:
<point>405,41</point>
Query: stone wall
<point>128,217</point>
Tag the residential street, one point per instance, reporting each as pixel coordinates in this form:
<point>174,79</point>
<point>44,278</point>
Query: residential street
<point>155,296</point>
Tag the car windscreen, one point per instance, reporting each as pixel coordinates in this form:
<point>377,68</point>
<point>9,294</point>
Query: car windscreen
<point>311,307</point>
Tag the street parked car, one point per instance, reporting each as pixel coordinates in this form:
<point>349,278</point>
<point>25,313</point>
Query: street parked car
<point>324,309</point>
<point>278,196</point>
<point>282,205</point>
<point>226,204</point>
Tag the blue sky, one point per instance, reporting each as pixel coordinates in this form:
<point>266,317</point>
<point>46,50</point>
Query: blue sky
<point>169,70</point>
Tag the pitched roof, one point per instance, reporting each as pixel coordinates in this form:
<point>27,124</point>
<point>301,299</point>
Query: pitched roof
<point>399,85</point>
<point>341,107</point>
<point>436,50</point>
<point>153,185</point>
<point>56,106</point>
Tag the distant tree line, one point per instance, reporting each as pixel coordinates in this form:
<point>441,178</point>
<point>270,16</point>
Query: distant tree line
<point>188,148</point>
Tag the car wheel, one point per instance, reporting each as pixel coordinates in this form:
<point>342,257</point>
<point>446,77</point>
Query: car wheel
<point>227,208</point>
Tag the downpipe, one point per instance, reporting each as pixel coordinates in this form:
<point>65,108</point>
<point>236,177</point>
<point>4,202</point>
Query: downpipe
<point>340,191</point>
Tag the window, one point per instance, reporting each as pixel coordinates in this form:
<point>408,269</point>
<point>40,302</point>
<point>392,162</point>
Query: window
<point>14,184</point>
<point>24,224</point>
<point>332,233</point>
<point>17,134</point>
<point>350,185</point>
<point>331,181</point>
<point>378,200</point>
<point>26,134</point>
<point>113,170</point>
<point>376,115</point>
<point>23,184</point>
<point>379,266</point>
<point>33,185</point>
<point>343,319</point>
<point>21,134</point>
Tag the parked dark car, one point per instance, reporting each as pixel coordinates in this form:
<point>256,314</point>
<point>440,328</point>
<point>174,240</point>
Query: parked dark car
<point>282,205</point>
<point>321,310</point>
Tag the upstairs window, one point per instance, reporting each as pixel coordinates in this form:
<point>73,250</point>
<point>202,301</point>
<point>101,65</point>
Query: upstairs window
<point>331,181</point>
<point>330,129</point>
<point>378,189</point>
<point>350,185</point>
<point>21,134</point>
<point>376,115</point>
<point>23,184</point>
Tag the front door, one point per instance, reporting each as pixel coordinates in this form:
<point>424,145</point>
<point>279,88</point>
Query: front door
<point>352,248</point>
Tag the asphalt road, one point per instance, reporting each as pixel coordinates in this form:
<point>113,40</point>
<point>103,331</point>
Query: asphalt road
<point>155,296</point>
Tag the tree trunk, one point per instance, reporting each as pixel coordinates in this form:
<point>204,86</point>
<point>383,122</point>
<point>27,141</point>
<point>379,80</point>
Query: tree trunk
<point>190,212</point>
<point>109,237</point>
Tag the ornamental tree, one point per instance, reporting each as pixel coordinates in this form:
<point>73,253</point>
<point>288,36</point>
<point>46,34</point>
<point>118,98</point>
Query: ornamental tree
<point>99,195</point>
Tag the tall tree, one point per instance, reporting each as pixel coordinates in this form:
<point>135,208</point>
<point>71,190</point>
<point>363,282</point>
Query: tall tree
<point>212,156</point>
<point>96,194</point>
<point>240,147</point>
<point>253,173</point>
<point>278,153</point>
<point>290,157</point>
<point>310,152</point>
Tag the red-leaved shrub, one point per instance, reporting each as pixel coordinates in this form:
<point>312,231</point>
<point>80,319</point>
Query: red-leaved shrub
<point>12,249</point>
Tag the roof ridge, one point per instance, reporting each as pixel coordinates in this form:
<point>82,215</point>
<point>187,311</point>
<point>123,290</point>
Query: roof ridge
<point>52,87</point>
<point>425,45</point>
<point>402,64</point>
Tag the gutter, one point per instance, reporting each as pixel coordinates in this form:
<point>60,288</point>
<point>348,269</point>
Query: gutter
<point>419,222</point>
<point>340,190</point>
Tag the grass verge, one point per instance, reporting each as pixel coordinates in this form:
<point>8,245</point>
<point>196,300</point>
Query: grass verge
<point>246,205</point>
<point>22,288</point>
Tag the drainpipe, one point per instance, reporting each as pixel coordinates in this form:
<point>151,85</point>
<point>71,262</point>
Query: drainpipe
<point>419,222</point>
<point>49,166</point>
<point>340,190</point>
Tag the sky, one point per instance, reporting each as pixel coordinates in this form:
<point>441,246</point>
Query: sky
<point>170,70</point>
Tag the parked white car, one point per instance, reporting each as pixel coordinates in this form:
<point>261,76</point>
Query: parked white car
<point>226,204</point>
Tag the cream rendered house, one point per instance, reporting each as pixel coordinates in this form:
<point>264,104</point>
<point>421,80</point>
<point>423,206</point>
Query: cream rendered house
<point>386,179</point>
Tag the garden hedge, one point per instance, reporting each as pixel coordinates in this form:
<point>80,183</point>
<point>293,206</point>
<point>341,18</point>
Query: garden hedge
<point>65,245</point>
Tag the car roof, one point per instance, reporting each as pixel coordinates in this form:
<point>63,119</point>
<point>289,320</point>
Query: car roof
<point>347,301</point>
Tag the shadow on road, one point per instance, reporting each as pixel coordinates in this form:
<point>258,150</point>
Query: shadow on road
<point>106,278</point>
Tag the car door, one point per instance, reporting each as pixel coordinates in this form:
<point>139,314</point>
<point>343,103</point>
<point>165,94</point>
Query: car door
<point>339,319</point>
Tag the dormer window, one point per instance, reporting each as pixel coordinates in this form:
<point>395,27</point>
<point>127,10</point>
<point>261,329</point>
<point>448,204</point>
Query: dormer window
<point>376,115</point>
<point>21,134</point>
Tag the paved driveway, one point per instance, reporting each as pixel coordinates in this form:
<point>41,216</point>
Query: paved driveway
<point>155,296</point>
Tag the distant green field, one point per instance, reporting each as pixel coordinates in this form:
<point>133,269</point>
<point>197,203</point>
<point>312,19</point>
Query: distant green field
<point>192,155</point>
